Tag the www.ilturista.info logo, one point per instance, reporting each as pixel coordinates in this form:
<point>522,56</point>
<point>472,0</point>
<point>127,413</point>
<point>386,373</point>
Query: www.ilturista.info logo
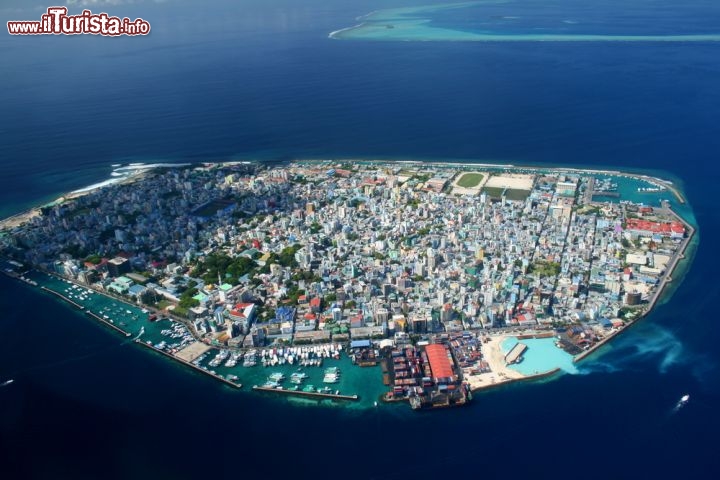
<point>57,22</point>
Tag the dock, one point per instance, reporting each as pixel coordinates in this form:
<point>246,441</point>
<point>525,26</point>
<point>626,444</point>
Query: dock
<point>515,355</point>
<point>300,393</point>
<point>114,327</point>
<point>80,307</point>
<point>201,370</point>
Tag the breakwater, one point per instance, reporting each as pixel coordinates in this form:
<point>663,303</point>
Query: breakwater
<point>300,393</point>
<point>80,307</point>
<point>537,376</point>
<point>191,365</point>
<point>667,278</point>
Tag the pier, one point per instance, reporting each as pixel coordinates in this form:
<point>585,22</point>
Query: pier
<point>96,317</point>
<point>515,355</point>
<point>201,370</point>
<point>300,393</point>
<point>80,307</point>
<point>71,302</point>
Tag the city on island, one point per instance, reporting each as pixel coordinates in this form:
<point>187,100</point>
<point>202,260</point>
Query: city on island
<point>442,274</point>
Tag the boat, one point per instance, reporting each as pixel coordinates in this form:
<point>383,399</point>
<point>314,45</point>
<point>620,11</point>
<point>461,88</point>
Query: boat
<point>298,377</point>
<point>250,359</point>
<point>6,383</point>
<point>683,401</point>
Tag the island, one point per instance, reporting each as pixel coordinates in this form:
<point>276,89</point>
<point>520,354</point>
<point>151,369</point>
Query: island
<point>419,24</point>
<point>411,281</point>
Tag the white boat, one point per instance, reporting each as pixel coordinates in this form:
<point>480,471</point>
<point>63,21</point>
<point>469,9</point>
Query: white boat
<point>276,377</point>
<point>682,402</point>
<point>6,383</point>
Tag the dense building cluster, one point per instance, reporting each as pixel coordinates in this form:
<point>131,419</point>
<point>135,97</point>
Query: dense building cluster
<point>313,252</point>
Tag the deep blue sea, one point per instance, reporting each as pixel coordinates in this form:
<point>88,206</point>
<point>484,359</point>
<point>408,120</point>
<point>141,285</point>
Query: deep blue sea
<point>259,79</point>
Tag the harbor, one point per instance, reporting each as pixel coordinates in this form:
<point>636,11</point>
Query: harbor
<point>194,367</point>
<point>321,364</point>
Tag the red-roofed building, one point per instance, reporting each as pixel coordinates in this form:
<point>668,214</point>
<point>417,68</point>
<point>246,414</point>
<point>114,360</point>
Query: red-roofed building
<point>242,315</point>
<point>242,312</point>
<point>647,228</point>
<point>315,304</point>
<point>440,363</point>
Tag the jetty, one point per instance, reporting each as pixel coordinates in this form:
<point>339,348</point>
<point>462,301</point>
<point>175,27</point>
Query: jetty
<point>191,365</point>
<point>300,393</point>
<point>515,354</point>
<point>80,307</point>
<point>114,327</point>
<point>57,294</point>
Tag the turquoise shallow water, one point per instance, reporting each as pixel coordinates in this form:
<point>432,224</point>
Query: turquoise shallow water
<point>366,382</point>
<point>541,356</point>
<point>488,20</point>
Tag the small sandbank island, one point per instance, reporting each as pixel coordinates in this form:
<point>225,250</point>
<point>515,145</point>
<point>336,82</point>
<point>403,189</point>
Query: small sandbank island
<point>360,282</point>
<point>488,21</point>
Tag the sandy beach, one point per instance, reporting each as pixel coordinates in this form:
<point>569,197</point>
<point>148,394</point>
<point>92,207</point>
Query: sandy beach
<point>499,372</point>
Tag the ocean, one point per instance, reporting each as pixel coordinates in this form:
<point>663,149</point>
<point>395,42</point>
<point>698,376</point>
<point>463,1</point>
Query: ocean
<point>261,80</point>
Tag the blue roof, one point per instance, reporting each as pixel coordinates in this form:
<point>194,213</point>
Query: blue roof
<point>359,343</point>
<point>136,289</point>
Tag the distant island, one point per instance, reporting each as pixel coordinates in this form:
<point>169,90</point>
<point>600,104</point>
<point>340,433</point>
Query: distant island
<point>450,278</point>
<point>407,24</point>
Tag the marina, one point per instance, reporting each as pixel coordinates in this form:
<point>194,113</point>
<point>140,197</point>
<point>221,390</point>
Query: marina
<point>191,365</point>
